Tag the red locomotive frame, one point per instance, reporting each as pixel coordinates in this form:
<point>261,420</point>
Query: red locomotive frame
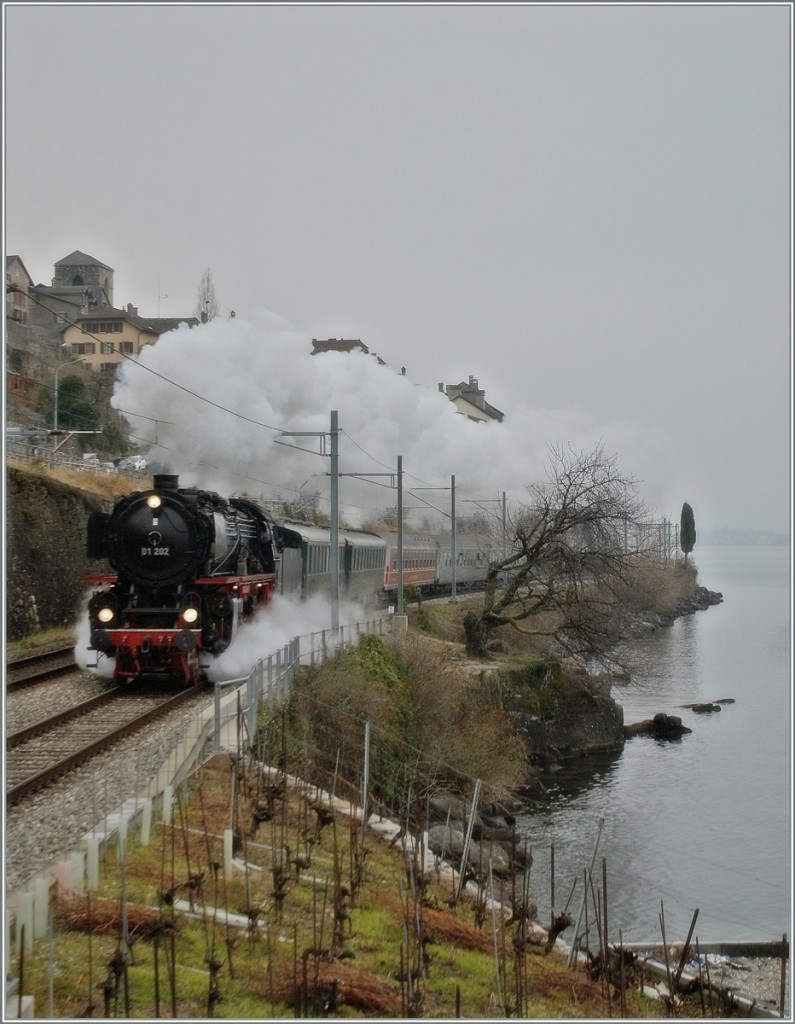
<point>174,650</point>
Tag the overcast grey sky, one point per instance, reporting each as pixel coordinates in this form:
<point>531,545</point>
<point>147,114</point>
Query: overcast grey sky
<point>585,207</point>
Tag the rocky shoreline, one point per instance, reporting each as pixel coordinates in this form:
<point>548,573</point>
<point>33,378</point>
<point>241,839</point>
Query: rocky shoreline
<point>489,846</point>
<point>564,713</point>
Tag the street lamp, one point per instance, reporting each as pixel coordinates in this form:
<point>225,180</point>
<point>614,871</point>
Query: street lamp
<point>69,362</point>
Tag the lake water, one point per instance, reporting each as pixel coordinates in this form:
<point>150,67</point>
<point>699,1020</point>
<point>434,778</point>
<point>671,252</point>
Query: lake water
<point>702,822</point>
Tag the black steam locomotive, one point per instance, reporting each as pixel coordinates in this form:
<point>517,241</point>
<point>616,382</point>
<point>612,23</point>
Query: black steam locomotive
<point>190,566</point>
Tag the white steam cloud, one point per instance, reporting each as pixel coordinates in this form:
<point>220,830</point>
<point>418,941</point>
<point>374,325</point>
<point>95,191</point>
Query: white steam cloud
<point>209,404</point>
<point>94,661</point>
<point>285,620</point>
<point>237,374</point>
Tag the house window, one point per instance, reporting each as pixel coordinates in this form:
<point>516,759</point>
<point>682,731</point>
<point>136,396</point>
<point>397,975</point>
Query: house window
<point>106,348</point>
<point>126,347</point>
<point>84,348</point>
<point>102,327</point>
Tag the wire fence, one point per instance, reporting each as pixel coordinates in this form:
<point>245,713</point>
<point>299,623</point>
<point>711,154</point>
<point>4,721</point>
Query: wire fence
<point>271,680</point>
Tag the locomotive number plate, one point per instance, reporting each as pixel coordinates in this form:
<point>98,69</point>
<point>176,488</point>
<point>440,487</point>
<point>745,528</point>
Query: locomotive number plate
<point>147,551</point>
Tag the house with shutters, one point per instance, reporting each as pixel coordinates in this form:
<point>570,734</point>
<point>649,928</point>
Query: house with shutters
<point>105,337</point>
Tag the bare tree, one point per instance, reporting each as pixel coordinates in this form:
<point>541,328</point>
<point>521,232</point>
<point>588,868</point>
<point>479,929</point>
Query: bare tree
<point>207,307</point>
<point>566,566</point>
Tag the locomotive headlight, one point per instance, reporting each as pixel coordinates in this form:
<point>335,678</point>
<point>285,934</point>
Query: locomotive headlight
<point>104,607</point>
<point>154,501</point>
<point>191,609</point>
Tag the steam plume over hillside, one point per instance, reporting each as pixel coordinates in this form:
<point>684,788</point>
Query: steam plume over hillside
<point>243,381</point>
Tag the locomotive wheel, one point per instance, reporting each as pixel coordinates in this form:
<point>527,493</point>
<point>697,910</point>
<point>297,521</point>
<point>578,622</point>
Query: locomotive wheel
<point>190,668</point>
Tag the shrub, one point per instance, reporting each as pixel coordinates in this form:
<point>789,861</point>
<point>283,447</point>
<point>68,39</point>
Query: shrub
<point>431,722</point>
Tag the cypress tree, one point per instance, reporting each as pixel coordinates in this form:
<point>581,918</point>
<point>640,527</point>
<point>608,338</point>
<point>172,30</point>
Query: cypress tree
<point>687,530</point>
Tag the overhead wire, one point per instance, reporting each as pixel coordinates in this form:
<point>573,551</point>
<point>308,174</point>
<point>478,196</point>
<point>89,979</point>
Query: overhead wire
<point>419,480</point>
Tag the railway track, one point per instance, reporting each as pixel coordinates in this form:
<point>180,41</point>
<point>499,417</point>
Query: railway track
<point>38,668</point>
<point>46,750</point>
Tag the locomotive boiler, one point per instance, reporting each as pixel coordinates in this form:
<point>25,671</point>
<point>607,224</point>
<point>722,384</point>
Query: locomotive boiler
<point>189,567</point>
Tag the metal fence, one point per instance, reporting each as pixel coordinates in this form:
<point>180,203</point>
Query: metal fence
<point>270,681</point>
<point>45,455</point>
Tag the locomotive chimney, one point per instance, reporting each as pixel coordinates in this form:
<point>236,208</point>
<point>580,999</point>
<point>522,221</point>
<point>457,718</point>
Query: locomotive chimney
<point>165,482</point>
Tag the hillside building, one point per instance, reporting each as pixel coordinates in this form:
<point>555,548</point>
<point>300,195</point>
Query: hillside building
<point>343,345</point>
<point>106,337</point>
<point>74,316</point>
<point>470,400</point>
<point>468,397</point>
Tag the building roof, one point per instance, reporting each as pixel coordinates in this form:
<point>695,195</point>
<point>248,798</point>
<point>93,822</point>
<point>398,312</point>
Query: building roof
<point>80,259</point>
<point>163,324</point>
<point>469,391</point>
<point>111,313</point>
<point>18,259</point>
<point>155,325</point>
<point>343,345</point>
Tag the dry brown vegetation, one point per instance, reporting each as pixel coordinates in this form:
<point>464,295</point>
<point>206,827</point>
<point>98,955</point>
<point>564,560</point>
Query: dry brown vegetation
<point>106,485</point>
<point>432,721</point>
<point>653,588</point>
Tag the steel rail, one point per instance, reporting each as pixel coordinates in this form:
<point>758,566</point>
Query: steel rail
<point>34,668</point>
<point>41,778</point>
<point>16,739</point>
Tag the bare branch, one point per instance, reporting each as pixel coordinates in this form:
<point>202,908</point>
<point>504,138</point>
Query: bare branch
<point>567,555</point>
<point>207,307</point>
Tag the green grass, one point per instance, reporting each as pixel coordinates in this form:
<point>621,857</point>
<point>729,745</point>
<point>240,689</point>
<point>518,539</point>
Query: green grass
<point>36,643</point>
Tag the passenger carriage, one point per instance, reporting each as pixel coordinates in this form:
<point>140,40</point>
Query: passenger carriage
<point>306,563</point>
<point>420,562</point>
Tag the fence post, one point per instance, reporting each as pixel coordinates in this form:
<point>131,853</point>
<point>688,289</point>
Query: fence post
<point>575,939</point>
<point>252,692</point>
<point>468,839</point>
<point>366,780</point>
<point>217,737</point>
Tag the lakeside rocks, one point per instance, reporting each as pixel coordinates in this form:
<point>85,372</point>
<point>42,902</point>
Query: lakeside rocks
<point>661,727</point>
<point>563,713</point>
<point>699,601</point>
<point>494,836</point>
